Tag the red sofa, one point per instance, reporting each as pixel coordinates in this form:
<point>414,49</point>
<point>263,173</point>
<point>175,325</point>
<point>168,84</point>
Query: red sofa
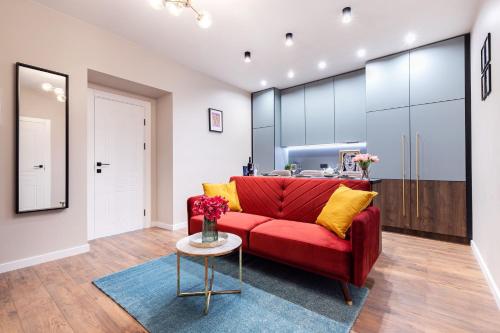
<point>278,223</point>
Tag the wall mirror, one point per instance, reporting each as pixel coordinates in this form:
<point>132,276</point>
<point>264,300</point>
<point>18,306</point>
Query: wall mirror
<point>42,139</point>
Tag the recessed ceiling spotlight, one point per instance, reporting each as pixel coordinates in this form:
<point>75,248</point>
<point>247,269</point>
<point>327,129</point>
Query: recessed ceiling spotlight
<point>263,83</point>
<point>361,53</point>
<point>290,74</point>
<point>248,57</point>
<point>410,38</point>
<point>47,86</point>
<point>346,15</point>
<point>322,64</point>
<point>289,39</point>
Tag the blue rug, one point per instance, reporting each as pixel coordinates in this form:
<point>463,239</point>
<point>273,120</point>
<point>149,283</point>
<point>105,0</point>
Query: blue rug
<point>275,298</point>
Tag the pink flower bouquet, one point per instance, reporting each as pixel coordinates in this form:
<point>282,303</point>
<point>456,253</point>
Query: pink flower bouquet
<point>364,160</point>
<point>211,207</point>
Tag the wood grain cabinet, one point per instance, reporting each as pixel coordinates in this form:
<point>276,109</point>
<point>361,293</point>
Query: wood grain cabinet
<point>422,146</point>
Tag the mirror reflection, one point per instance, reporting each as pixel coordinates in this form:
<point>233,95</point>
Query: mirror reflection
<point>42,160</point>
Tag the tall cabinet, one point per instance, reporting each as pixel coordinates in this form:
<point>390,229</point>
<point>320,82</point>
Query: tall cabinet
<point>416,122</point>
<point>266,151</point>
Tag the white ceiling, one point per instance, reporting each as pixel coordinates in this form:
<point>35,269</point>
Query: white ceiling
<point>259,26</point>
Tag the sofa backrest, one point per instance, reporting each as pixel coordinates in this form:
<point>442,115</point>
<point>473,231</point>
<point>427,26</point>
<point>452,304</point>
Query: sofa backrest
<point>296,199</point>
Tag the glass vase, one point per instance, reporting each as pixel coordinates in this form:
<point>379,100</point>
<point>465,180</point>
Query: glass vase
<point>365,173</point>
<point>209,232</point>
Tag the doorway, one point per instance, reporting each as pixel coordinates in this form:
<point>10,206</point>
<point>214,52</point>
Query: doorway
<point>119,162</point>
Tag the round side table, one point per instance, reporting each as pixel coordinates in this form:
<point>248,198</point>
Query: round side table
<point>185,249</point>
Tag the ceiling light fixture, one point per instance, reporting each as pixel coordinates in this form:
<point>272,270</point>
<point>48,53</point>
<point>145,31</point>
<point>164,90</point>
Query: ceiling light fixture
<point>59,91</point>
<point>290,74</point>
<point>289,39</point>
<point>176,7</point>
<point>322,65</point>
<point>410,38</point>
<point>346,15</point>
<point>248,57</point>
<point>361,53</point>
<point>47,86</point>
<point>263,83</point>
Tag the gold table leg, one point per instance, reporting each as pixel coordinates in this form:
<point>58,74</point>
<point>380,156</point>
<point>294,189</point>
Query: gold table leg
<point>208,292</point>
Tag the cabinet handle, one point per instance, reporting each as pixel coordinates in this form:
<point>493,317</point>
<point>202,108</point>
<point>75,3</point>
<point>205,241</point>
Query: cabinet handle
<point>417,170</point>
<point>403,171</point>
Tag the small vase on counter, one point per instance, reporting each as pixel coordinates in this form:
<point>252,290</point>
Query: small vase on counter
<point>364,161</point>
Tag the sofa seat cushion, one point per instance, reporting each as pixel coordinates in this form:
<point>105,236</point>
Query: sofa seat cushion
<point>236,223</point>
<point>303,244</point>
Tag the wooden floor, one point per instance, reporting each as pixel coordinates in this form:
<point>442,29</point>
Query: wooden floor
<point>417,285</point>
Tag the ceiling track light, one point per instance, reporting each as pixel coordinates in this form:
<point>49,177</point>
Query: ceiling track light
<point>346,15</point>
<point>248,57</point>
<point>175,7</point>
<point>289,39</point>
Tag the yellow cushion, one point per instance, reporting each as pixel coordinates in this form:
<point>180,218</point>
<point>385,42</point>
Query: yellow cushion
<point>227,191</point>
<point>344,204</point>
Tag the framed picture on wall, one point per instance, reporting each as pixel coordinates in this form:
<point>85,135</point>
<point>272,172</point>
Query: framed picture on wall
<point>486,53</point>
<point>486,82</point>
<point>215,121</point>
<point>346,164</point>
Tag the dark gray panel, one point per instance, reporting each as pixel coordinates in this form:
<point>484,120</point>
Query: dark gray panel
<point>263,108</point>
<point>388,136</point>
<point>387,82</point>
<point>280,156</point>
<point>263,148</point>
<point>350,108</point>
<point>441,131</point>
<point>320,112</point>
<point>437,72</point>
<point>293,117</point>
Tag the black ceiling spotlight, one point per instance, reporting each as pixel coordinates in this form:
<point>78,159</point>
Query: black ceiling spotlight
<point>346,15</point>
<point>248,56</point>
<point>289,39</point>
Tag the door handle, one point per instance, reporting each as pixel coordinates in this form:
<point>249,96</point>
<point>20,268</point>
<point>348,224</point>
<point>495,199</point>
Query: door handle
<point>102,164</point>
<point>417,170</point>
<point>403,170</point>
<point>40,166</point>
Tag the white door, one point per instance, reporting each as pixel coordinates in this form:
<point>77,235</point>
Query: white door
<point>34,163</point>
<point>118,167</point>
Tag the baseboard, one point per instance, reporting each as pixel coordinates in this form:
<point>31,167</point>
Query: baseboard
<point>35,260</point>
<point>170,227</point>
<point>489,278</point>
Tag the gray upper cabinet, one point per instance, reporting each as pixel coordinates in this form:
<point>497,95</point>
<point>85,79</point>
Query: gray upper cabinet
<point>320,112</point>
<point>263,108</point>
<point>387,82</point>
<point>263,148</point>
<point>437,72</point>
<point>388,136</point>
<point>440,146</point>
<point>350,108</point>
<point>293,117</point>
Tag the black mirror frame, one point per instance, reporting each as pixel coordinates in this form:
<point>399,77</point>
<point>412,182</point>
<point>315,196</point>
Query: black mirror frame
<point>16,119</point>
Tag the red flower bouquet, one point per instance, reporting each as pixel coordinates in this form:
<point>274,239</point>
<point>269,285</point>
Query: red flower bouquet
<point>212,209</point>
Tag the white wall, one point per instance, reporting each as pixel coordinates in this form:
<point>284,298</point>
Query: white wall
<point>36,35</point>
<point>485,143</point>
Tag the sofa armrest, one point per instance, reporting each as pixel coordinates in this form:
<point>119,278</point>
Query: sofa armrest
<point>190,213</point>
<point>366,243</point>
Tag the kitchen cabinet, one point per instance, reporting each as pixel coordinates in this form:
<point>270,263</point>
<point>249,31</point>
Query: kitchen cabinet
<point>293,130</point>
<point>319,112</point>
<point>388,82</point>
<point>263,148</point>
<point>263,108</point>
<point>437,72</point>
<point>350,107</point>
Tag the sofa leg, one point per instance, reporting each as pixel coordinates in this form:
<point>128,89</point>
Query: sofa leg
<point>346,292</point>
